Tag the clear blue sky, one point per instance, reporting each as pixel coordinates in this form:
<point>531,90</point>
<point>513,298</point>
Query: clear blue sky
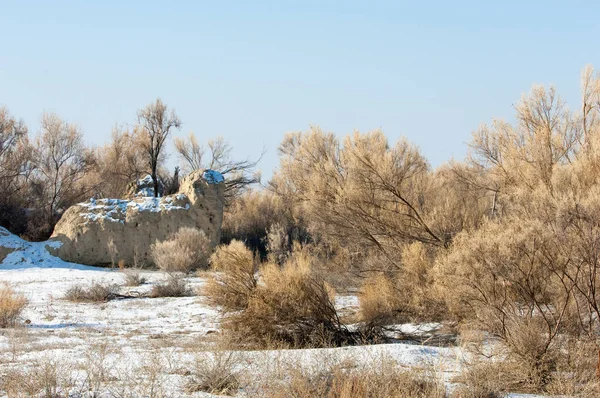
<point>253,70</point>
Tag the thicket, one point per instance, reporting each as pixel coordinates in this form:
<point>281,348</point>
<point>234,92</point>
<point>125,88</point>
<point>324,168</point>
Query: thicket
<point>42,175</point>
<point>506,242</point>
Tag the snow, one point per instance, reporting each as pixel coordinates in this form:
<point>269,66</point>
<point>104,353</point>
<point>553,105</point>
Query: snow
<point>145,181</point>
<point>212,176</point>
<point>115,210</point>
<point>32,255</point>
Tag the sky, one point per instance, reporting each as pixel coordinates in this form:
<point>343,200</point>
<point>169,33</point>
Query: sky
<point>251,71</point>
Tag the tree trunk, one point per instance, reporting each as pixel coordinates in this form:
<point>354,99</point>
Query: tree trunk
<point>155,181</point>
<point>598,366</point>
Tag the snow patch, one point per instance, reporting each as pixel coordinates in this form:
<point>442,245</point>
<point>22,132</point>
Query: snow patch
<point>115,210</point>
<point>27,255</point>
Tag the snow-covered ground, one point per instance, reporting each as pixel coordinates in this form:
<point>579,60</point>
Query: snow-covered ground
<point>152,346</point>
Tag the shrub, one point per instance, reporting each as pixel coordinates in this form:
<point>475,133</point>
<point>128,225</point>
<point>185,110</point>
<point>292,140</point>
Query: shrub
<point>290,306</point>
<point>501,280</point>
<point>577,369</point>
<point>11,305</point>
<point>95,293</point>
<point>487,379</point>
<point>234,282</point>
<point>380,304</point>
<point>249,218</point>
<point>133,277</point>
<point>401,294</point>
<point>278,244</point>
<point>214,375</point>
<point>186,250</point>
<point>173,287</point>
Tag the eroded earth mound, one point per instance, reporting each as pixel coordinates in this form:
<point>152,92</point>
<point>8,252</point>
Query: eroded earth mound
<point>106,231</point>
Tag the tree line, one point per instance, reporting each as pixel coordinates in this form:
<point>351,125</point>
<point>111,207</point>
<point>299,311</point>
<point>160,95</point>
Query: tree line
<point>42,175</point>
<point>505,244</point>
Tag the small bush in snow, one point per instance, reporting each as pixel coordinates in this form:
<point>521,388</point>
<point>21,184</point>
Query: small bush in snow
<point>133,277</point>
<point>173,287</point>
<point>186,250</point>
<point>95,293</point>
<point>11,305</point>
<point>214,375</point>
<point>289,307</point>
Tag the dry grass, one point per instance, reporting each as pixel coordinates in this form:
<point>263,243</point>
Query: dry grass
<point>11,306</point>
<point>95,293</point>
<point>576,369</point>
<point>361,383</point>
<point>186,250</point>
<point>174,286</point>
<point>487,379</point>
<point>500,371</point>
<point>214,374</point>
<point>46,378</point>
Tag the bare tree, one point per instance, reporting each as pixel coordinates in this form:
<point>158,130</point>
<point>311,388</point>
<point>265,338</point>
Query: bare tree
<point>61,161</point>
<point>14,149</point>
<point>238,174</point>
<point>120,162</point>
<point>191,152</point>
<point>155,122</point>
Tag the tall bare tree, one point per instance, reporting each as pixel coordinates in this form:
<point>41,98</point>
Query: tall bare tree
<point>155,122</point>
<point>14,148</point>
<point>61,161</point>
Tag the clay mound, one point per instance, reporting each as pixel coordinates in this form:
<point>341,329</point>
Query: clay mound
<point>105,231</point>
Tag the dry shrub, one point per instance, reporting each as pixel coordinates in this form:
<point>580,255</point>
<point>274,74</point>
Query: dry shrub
<point>487,379</point>
<point>416,282</point>
<point>400,295</point>
<point>174,286</point>
<point>494,378</point>
<point>380,303</point>
<point>234,282</point>
<point>133,277</point>
<point>278,244</point>
<point>214,375</point>
<point>95,293</point>
<point>362,383</point>
<point>501,280</point>
<point>249,217</point>
<point>494,370</point>
<point>290,306</point>
<point>147,377</point>
<point>576,370</point>
<point>11,305</point>
<point>186,250</point>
